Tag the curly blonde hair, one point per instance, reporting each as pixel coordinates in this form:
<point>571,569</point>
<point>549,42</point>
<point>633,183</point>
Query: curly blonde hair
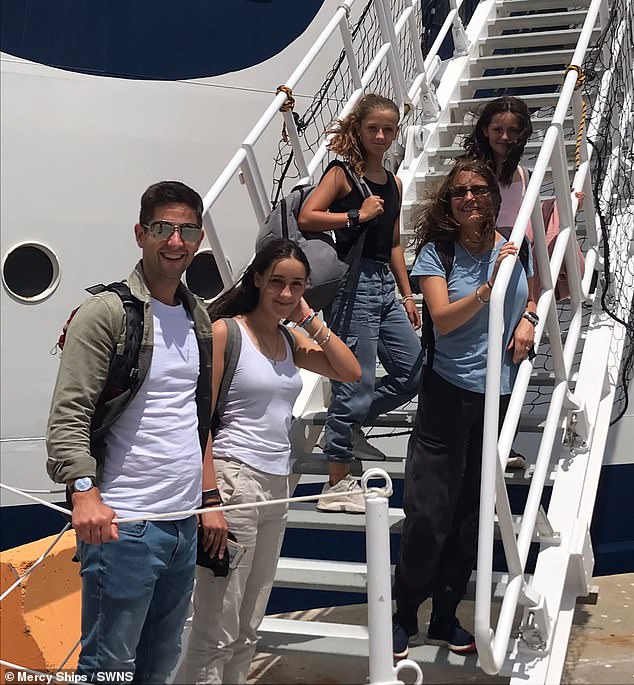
<point>346,141</point>
<point>434,220</point>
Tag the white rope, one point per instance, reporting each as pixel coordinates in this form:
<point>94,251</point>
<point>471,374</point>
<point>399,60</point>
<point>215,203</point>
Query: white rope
<point>39,500</point>
<point>371,492</point>
<point>35,563</point>
<point>171,515</point>
<point>42,677</point>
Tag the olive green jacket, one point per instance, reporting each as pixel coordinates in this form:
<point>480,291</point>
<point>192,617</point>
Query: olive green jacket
<point>97,328</point>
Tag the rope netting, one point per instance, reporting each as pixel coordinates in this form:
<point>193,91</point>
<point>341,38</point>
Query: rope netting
<point>613,175</point>
<point>337,88</point>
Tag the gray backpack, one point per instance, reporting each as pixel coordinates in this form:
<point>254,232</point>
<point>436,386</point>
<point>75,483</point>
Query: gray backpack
<point>327,271</point>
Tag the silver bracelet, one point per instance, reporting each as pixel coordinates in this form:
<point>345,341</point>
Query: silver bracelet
<point>478,298</point>
<point>321,328</point>
<point>325,340</point>
<point>406,298</point>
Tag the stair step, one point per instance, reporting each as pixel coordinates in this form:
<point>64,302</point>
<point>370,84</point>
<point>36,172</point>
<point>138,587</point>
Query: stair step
<point>537,39</point>
<point>509,6</point>
<point>532,148</point>
<point>544,20</point>
<point>525,80</point>
<point>315,464</point>
<point>457,128</point>
<point>404,418</point>
<point>347,576</point>
<point>533,101</point>
<point>528,59</point>
<point>280,635</point>
<point>305,516</point>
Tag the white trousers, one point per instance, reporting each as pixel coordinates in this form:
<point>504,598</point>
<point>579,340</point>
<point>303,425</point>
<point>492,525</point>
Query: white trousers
<point>228,611</point>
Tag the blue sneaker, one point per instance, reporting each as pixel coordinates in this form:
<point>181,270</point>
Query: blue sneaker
<point>451,635</point>
<point>400,642</point>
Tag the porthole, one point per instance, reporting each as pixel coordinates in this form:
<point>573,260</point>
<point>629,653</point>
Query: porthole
<point>30,272</point>
<point>202,276</point>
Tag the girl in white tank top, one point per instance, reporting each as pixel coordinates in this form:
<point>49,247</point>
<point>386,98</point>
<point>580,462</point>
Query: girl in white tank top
<point>249,458</point>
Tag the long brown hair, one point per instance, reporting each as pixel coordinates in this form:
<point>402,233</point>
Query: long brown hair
<point>346,140</point>
<point>434,220</point>
<point>477,144</point>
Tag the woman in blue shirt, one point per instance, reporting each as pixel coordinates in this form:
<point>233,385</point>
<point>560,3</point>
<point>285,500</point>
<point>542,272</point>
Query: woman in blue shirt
<point>442,475</point>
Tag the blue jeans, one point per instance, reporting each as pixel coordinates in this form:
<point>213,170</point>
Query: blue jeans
<point>135,599</point>
<point>378,326</point>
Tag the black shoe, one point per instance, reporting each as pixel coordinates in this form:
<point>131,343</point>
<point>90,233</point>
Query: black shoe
<point>452,635</point>
<point>400,642</point>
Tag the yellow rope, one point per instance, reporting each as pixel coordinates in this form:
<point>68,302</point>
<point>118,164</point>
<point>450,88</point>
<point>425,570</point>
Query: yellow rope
<point>289,105</point>
<point>581,79</point>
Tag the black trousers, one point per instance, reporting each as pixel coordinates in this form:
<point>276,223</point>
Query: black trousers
<point>441,499</point>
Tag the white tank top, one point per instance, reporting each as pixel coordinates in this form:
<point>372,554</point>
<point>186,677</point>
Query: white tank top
<point>153,461</point>
<point>256,418</point>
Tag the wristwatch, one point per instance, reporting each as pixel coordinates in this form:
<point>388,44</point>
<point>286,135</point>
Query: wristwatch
<point>82,484</point>
<point>353,218</point>
<point>531,317</point>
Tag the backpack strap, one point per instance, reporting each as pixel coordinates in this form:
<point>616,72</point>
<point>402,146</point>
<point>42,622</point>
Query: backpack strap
<point>231,357</point>
<point>124,367</point>
<point>445,249</point>
<point>290,338</point>
<point>123,372</point>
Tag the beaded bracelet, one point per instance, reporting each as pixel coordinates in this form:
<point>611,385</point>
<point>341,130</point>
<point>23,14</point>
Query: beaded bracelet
<point>325,340</point>
<point>307,319</point>
<point>321,328</point>
<point>478,298</point>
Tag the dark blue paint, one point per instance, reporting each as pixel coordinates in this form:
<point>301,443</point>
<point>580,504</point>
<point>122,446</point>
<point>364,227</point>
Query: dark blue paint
<point>152,39</point>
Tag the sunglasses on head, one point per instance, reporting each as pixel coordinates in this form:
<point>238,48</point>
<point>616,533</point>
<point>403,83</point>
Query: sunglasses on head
<point>476,191</point>
<point>162,230</point>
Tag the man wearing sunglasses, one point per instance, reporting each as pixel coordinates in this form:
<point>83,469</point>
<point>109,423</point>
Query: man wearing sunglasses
<point>137,577</point>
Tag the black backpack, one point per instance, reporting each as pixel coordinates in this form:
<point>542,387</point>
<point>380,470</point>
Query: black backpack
<point>123,372</point>
<point>446,251</point>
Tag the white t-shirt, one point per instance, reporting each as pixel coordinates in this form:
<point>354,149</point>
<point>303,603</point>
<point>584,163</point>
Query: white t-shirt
<point>256,418</point>
<point>153,461</point>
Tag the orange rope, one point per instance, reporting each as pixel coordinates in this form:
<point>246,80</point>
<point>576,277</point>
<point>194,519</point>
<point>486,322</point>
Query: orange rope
<point>581,79</point>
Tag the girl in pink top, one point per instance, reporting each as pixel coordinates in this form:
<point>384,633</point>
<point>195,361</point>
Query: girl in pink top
<point>498,139</point>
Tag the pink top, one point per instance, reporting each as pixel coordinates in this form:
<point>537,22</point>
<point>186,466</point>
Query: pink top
<point>512,197</point>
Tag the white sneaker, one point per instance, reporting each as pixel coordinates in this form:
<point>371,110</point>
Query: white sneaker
<point>516,461</point>
<point>350,497</point>
<point>362,449</point>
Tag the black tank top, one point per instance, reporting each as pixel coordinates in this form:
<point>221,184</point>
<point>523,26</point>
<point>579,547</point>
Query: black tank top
<point>378,239</point>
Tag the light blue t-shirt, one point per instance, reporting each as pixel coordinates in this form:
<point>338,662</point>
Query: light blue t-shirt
<point>460,357</point>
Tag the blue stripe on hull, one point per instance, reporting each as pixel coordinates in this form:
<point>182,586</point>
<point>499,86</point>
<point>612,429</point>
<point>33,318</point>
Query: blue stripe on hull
<point>162,40</point>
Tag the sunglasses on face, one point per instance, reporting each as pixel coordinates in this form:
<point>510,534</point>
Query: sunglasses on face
<point>476,191</point>
<point>162,230</point>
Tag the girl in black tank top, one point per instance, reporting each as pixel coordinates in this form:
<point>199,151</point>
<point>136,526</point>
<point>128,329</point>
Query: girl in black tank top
<point>374,321</point>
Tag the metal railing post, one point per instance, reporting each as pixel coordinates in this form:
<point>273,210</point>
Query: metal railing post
<point>377,531</point>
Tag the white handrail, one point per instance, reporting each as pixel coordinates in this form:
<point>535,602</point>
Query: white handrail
<point>493,645</point>
<point>244,161</point>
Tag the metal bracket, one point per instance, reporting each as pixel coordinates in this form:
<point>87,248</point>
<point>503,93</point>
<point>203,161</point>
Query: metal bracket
<point>414,144</point>
<point>546,533</point>
<point>428,102</point>
<point>533,632</point>
<point>577,431</point>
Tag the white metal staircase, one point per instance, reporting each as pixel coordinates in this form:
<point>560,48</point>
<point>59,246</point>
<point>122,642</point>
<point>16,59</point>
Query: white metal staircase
<point>508,45</point>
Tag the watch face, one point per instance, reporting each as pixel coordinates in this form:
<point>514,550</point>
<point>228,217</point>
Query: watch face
<point>82,484</point>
